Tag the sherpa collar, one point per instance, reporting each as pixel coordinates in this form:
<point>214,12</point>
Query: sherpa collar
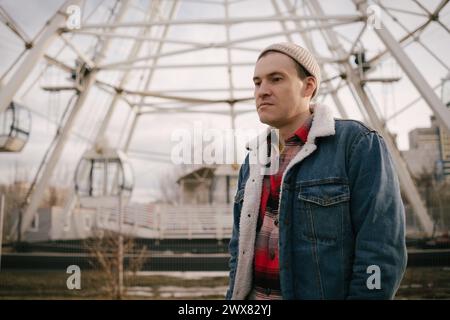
<point>322,126</point>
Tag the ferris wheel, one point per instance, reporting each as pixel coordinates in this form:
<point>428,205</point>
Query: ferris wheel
<point>124,61</point>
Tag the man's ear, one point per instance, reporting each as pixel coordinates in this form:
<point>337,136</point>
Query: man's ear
<point>310,86</point>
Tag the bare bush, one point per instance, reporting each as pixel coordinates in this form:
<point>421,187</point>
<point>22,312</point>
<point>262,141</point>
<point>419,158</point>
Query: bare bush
<point>104,248</point>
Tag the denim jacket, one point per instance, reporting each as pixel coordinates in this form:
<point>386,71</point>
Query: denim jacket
<point>342,220</point>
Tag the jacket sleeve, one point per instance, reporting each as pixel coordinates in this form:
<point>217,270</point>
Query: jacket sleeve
<point>234,241</point>
<point>378,220</point>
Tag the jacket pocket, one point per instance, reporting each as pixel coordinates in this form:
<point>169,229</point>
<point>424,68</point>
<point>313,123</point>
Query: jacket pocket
<point>322,207</point>
<point>326,194</point>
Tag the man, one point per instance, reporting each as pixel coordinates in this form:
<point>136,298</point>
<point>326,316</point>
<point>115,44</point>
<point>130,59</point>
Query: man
<point>329,224</point>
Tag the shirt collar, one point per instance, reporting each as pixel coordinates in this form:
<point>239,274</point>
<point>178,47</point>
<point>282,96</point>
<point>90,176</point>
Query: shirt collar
<point>303,131</point>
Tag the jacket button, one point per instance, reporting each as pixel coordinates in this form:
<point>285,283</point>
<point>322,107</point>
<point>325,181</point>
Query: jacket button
<point>268,291</point>
<point>275,222</point>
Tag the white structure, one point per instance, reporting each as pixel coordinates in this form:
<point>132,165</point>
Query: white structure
<point>209,185</point>
<point>102,176</point>
<point>423,153</point>
<point>149,221</point>
<point>429,152</point>
<point>15,125</point>
<point>230,36</point>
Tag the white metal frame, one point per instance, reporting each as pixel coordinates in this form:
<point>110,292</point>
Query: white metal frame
<point>44,179</point>
<point>404,176</point>
<point>35,53</point>
<point>317,21</point>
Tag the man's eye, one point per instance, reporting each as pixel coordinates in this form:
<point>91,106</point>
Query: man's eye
<point>276,79</point>
<point>257,83</point>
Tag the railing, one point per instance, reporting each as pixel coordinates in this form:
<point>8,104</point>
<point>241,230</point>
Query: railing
<point>195,222</point>
<point>161,221</point>
<point>170,222</point>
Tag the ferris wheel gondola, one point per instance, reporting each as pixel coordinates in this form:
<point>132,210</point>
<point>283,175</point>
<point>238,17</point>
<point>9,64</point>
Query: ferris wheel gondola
<point>15,124</point>
<point>103,177</point>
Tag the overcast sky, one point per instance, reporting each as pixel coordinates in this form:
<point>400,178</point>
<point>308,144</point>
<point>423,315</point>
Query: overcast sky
<point>153,131</point>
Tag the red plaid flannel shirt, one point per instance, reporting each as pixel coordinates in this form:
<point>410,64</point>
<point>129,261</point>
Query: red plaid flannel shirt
<point>266,262</point>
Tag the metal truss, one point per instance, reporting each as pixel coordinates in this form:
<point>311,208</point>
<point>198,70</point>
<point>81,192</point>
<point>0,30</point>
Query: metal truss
<point>153,49</point>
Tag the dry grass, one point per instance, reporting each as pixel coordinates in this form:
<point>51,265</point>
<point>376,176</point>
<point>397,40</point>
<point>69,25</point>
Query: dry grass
<point>425,283</point>
<point>418,283</point>
<point>94,285</point>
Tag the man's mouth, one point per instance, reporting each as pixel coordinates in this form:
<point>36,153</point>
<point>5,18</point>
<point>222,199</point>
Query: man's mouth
<point>264,104</point>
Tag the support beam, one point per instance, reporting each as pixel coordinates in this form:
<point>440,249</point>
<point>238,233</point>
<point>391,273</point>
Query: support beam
<point>230,21</point>
<point>230,82</point>
<point>8,91</point>
<point>310,45</point>
<point>148,81</point>
<point>13,26</point>
<point>101,134</point>
<point>353,79</point>
<point>147,39</point>
<point>225,44</point>
<point>63,136</point>
<point>204,90</point>
<point>441,112</point>
<point>78,52</point>
<point>157,94</point>
<point>410,104</point>
<point>61,65</point>
<point>184,111</point>
<point>183,66</point>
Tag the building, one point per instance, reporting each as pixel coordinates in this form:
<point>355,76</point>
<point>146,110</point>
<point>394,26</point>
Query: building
<point>209,185</point>
<point>429,152</point>
<point>444,161</point>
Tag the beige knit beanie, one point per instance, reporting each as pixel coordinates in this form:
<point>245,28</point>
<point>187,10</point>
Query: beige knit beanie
<point>299,54</point>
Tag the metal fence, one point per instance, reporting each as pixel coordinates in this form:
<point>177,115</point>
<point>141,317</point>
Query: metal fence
<point>170,222</point>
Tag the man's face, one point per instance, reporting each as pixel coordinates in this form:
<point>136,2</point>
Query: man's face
<point>279,92</point>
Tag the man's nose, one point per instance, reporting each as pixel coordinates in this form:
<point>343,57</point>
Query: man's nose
<point>263,90</point>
